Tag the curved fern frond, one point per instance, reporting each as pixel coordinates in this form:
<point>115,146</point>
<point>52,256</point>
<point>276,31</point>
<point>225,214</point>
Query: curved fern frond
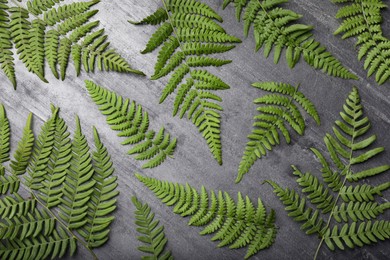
<point>132,122</point>
<point>72,193</point>
<point>238,224</point>
<point>278,109</point>
<point>4,136</point>
<point>362,19</point>
<point>276,28</point>
<point>49,30</point>
<point>102,202</point>
<point>347,147</point>
<point>153,235</point>
<point>188,33</point>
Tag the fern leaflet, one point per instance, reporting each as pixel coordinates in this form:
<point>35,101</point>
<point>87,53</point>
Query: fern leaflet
<point>238,224</point>
<point>362,18</point>
<point>347,147</point>
<point>132,122</point>
<point>152,234</point>
<point>54,32</point>
<point>276,28</point>
<point>71,192</point>
<point>188,34</point>
<point>277,109</point>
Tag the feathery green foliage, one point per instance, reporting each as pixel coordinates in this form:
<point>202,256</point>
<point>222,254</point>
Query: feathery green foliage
<point>71,191</point>
<point>132,122</point>
<point>55,32</point>
<point>362,19</point>
<point>358,210</point>
<point>275,27</point>
<point>153,236</point>
<point>278,109</point>
<point>188,34</point>
<point>238,224</point>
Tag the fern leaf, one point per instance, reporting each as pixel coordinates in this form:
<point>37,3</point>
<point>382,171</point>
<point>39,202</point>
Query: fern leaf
<point>133,123</point>
<point>6,58</point>
<point>4,136</point>
<point>276,111</point>
<point>15,206</point>
<point>78,183</point>
<point>23,153</point>
<point>188,33</point>
<point>277,27</point>
<point>237,224</point>
<point>48,30</point>
<point>8,184</point>
<point>348,146</point>
<point>37,169</point>
<point>362,19</point>
<point>152,234</point>
<point>29,225</point>
<point>102,202</point>
<point>40,247</point>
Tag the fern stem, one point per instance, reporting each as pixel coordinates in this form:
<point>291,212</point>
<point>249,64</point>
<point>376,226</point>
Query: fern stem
<point>64,226</point>
<point>346,169</point>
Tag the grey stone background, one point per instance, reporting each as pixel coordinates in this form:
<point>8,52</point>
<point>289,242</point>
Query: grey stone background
<point>193,162</point>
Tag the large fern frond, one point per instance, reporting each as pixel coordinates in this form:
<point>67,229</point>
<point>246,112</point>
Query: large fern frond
<point>278,109</point>
<point>238,224</point>
<point>362,19</point>
<point>188,34</point>
<point>275,27</point>
<point>55,32</point>
<point>102,202</point>
<point>347,147</point>
<point>153,235</point>
<point>132,122</point>
<point>71,193</point>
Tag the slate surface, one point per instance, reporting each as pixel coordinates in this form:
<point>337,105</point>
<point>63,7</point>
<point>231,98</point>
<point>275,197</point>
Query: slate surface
<point>193,162</point>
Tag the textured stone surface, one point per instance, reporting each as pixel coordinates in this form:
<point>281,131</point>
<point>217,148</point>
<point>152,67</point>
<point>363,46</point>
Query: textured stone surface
<point>193,162</point>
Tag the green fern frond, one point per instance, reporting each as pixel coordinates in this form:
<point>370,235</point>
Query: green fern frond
<point>276,28</point>
<point>347,147</point>
<point>102,202</point>
<point>70,190</point>
<point>278,109</point>
<point>40,247</point>
<point>188,33</point>
<point>78,183</point>
<point>132,122</point>
<point>4,136</point>
<point>362,19</point>
<point>153,235</point>
<point>238,224</point>
<point>56,32</point>
<point>25,147</point>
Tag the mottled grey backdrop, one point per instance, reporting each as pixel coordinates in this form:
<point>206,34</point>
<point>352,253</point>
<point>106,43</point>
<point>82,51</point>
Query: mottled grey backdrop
<point>193,162</point>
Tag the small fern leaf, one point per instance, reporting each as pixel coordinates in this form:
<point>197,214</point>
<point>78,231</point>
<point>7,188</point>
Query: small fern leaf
<point>373,46</point>
<point>102,203</point>
<point>278,109</point>
<point>132,122</point>
<point>8,184</point>
<point>188,33</point>
<point>4,136</point>
<point>152,234</point>
<point>347,147</point>
<point>237,224</point>
<point>15,206</point>
<point>24,151</point>
<point>78,183</point>
<point>276,28</point>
